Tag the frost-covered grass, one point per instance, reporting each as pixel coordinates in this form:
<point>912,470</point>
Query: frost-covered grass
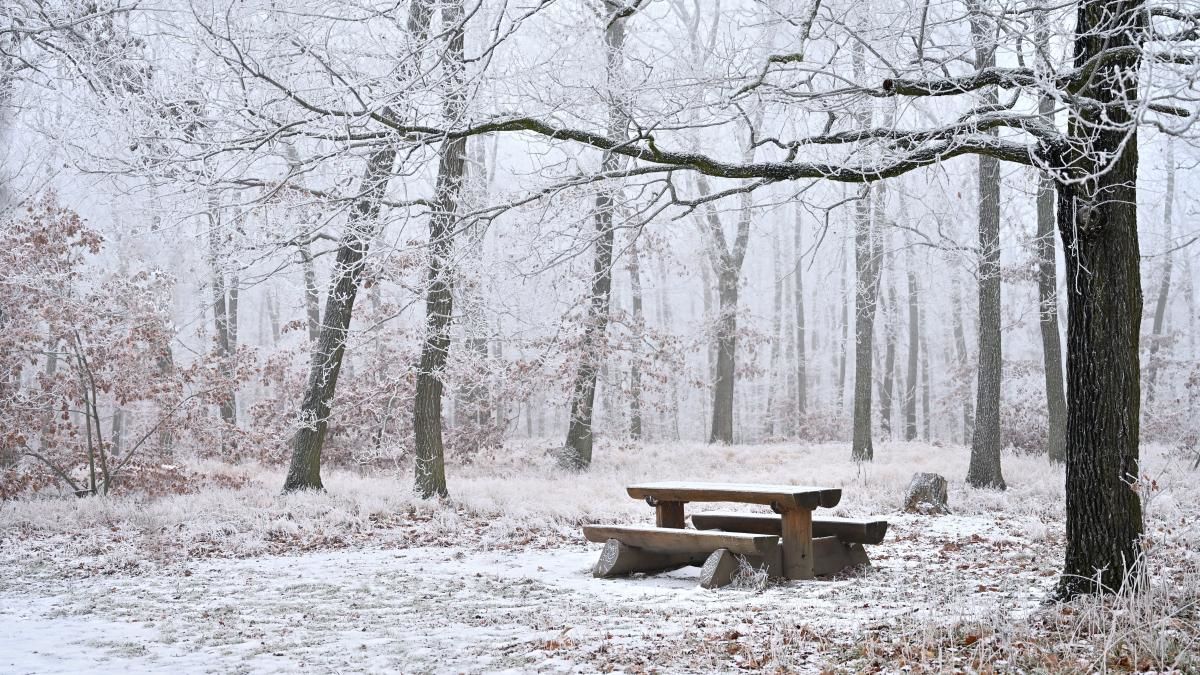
<point>496,577</point>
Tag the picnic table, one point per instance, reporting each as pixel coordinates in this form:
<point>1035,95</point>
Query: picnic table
<point>790,545</point>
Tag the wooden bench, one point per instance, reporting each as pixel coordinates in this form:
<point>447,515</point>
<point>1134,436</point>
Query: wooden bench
<point>785,551</point>
<point>629,549</point>
<point>837,542</point>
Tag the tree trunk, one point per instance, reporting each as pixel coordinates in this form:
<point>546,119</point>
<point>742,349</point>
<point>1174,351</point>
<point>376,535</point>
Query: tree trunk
<point>844,325</point>
<point>801,328</point>
<point>304,473</point>
<point>914,346</point>
<point>639,320</point>
<point>926,383</point>
<point>1056,401</point>
<point>1164,288</point>
<point>312,295</point>
<point>777,341</point>
<point>430,465</point>
<point>221,310</point>
<point>964,368</point>
<point>578,451</point>
<point>722,407</point>
<point>866,264</point>
<point>984,471</point>
<point>1097,220</point>
<point>887,390</point>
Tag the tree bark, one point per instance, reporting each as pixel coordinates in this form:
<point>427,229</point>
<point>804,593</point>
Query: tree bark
<point>777,341</point>
<point>577,453</point>
<point>430,466</point>
<point>844,325</point>
<point>964,366</point>
<point>222,322</point>
<point>1097,220</point>
<point>639,320</point>
<point>801,328</point>
<point>1056,401</point>
<point>312,295</point>
<point>984,470</point>
<point>866,264</point>
<point>304,473</point>
<point>1164,287</point>
<point>723,385</point>
<point>888,387</point>
<point>914,346</point>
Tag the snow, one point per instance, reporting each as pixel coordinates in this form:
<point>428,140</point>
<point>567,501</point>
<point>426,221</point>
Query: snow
<point>365,580</point>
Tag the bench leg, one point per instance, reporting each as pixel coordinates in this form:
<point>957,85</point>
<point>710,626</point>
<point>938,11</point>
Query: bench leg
<point>831,556</point>
<point>669,514</point>
<point>617,559</point>
<point>797,544</point>
<point>722,565</point>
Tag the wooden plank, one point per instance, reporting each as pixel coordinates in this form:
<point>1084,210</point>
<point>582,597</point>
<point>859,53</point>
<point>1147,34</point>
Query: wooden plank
<point>797,546</point>
<point>782,496</point>
<point>846,529</point>
<point>617,559</point>
<point>833,556</point>
<point>670,540</point>
<point>722,565</point>
<point>669,514</point>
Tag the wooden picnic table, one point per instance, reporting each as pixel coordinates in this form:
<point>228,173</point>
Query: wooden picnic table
<point>793,503</point>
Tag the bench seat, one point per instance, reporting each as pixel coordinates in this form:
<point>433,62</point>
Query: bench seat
<point>674,540</point>
<point>845,529</point>
<point>630,549</point>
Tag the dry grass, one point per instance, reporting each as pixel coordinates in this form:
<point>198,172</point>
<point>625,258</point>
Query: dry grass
<point>951,600</point>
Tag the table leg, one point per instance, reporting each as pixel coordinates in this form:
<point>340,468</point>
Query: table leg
<point>669,514</point>
<point>797,544</point>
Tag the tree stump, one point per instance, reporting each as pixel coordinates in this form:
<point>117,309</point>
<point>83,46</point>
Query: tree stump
<point>926,494</point>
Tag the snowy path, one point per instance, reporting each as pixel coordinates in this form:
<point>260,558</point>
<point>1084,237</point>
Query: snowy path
<point>454,610</point>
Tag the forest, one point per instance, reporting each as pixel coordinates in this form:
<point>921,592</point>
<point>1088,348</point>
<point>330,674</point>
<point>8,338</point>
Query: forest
<point>326,326</point>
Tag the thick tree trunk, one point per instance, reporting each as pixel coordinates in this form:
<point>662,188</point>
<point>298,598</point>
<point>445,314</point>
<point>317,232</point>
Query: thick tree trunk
<point>1097,220</point>
<point>578,451</point>
<point>984,471</point>
<point>304,473</point>
<point>430,465</point>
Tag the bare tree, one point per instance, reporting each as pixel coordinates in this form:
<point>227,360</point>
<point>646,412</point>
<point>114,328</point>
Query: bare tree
<point>430,467</point>
<point>984,471</point>
<point>577,452</point>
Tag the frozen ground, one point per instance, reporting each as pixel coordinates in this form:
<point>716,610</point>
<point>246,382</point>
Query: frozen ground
<point>366,578</point>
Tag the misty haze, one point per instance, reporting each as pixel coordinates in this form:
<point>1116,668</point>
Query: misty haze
<point>642,336</point>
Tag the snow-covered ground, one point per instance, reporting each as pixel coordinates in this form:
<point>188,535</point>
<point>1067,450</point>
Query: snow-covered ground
<point>368,578</point>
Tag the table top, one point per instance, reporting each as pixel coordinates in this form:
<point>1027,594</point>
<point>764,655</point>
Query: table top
<point>783,496</point>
